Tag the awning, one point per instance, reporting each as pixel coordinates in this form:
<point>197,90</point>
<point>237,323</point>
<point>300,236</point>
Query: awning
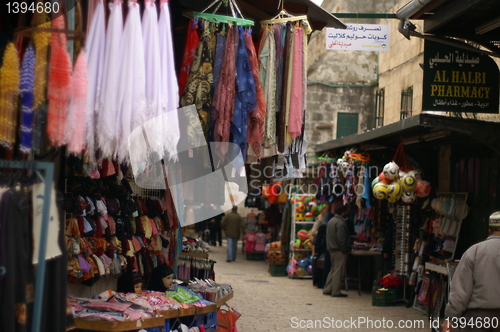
<point>420,128</point>
<point>259,10</point>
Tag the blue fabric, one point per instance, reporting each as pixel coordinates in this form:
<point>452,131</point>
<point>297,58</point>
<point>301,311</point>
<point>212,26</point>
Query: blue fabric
<point>27,87</point>
<point>367,188</point>
<point>245,99</point>
<point>232,247</point>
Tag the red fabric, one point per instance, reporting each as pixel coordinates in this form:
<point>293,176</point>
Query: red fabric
<point>256,117</point>
<point>224,98</point>
<point>226,320</point>
<point>189,51</point>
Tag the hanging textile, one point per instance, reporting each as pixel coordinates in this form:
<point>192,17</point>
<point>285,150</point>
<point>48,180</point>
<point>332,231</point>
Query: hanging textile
<point>59,84</point>
<point>108,97</point>
<point>245,100</point>
<point>256,117</point>
<point>189,52</point>
<point>220,47</point>
<point>267,59</point>
<point>169,93</point>
<point>9,90</point>
<point>131,86</point>
<point>297,93</point>
<point>75,121</point>
<point>94,47</point>
<point>285,93</point>
<point>26,88</point>
<point>224,97</point>
<point>41,40</point>
<point>198,89</point>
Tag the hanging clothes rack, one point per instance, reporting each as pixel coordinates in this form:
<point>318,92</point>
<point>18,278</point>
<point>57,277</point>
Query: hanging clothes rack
<point>284,17</point>
<point>216,18</point>
<point>40,273</point>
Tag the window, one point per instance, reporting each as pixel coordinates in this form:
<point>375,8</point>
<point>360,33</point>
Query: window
<point>379,108</point>
<point>347,124</point>
<point>406,103</point>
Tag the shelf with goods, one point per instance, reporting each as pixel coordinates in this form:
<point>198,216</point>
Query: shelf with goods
<point>301,247</point>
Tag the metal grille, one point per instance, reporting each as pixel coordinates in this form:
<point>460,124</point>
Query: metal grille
<point>379,108</point>
<point>406,103</point>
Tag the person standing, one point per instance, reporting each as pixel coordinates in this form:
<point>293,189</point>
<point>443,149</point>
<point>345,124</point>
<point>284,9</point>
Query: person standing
<point>231,225</point>
<point>215,227</point>
<point>474,293</point>
<point>338,245</point>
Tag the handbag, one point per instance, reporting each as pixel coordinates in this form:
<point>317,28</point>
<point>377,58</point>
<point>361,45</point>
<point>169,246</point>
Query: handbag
<point>320,263</point>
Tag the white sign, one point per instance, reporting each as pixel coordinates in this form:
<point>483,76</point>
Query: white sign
<point>358,37</point>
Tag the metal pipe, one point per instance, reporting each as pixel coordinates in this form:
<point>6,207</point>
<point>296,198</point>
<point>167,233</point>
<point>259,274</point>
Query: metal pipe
<point>411,8</point>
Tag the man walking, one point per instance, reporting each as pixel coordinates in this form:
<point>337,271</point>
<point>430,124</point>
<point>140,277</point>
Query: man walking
<point>231,225</point>
<point>338,245</point>
<point>475,294</point>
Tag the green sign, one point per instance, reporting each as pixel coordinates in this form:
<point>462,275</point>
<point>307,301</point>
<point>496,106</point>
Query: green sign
<point>456,80</point>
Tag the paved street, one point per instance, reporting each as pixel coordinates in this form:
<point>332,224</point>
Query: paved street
<point>278,304</point>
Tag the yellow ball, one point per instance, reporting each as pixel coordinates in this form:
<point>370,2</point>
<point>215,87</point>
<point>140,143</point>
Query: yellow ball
<point>380,190</point>
<point>408,182</point>
<point>395,191</point>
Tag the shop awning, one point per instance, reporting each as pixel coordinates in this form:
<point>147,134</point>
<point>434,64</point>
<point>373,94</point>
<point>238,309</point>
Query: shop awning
<point>266,9</point>
<point>421,128</point>
<point>472,20</point>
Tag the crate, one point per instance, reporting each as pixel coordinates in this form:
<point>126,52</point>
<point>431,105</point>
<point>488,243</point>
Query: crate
<point>278,270</point>
<point>385,297</point>
<point>255,256</point>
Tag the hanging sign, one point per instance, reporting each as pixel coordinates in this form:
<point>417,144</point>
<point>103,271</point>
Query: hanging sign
<point>456,80</point>
<point>358,37</point>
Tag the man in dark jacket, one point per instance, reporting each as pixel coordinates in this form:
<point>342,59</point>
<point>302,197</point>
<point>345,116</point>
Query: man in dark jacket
<point>338,245</point>
<point>232,225</point>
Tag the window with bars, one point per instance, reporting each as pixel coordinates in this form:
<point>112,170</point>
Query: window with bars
<point>406,103</point>
<point>379,108</point>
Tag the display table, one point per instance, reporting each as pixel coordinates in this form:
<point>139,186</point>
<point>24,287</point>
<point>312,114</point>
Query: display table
<point>107,326</point>
<point>363,253</point>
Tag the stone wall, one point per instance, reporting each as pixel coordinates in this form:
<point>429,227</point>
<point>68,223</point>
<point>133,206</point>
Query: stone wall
<point>324,102</point>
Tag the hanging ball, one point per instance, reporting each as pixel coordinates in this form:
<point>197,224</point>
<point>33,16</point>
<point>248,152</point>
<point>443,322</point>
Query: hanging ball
<point>409,197</point>
<point>375,181</point>
<point>391,171</point>
<point>395,191</point>
<point>423,188</point>
<point>408,182</point>
<point>303,263</point>
<point>380,190</point>
<point>382,178</point>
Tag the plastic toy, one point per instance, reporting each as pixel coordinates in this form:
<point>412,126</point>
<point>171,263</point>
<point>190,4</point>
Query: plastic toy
<point>408,182</point>
<point>381,190</point>
<point>302,234</point>
<point>409,197</point>
<point>391,171</point>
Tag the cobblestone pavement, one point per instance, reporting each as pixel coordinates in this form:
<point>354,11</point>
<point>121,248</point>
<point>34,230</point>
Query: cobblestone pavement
<point>279,304</point>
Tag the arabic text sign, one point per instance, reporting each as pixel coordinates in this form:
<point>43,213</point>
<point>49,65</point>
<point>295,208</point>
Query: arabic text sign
<point>456,80</point>
<point>358,37</point>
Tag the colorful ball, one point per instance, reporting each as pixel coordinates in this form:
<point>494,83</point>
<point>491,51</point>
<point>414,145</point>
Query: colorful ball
<point>395,191</point>
<point>292,271</point>
<point>312,206</point>
<point>375,181</point>
<point>307,244</point>
<point>299,217</point>
<point>391,171</point>
<point>288,268</point>
<point>408,182</point>
<point>301,272</point>
<point>382,178</point>
<point>309,269</point>
<point>409,197</point>
<point>423,188</point>
<point>309,216</point>
<point>303,263</point>
<point>380,190</point>
<point>302,234</point>
<point>295,263</point>
<point>300,207</point>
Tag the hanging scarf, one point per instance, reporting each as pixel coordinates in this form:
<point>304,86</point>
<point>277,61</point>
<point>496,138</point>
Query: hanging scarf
<point>297,93</point>
<point>256,117</point>
<point>220,46</point>
<point>107,112</point>
<point>189,52</point>
<point>75,122</point>
<point>224,99</point>
<point>26,87</point>
<point>94,51</point>
<point>132,83</point>
<point>267,59</point>
<point>59,84</point>
<point>245,100</point>
<point>199,83</point>
<point>169,93</point>
<point>42,40</point>
<point>9,89</point>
